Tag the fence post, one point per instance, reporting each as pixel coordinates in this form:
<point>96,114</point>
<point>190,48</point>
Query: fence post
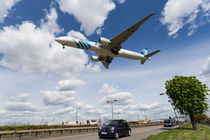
<point>36,133</point>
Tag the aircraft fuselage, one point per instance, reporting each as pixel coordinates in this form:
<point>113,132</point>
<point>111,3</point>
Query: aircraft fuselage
<point>95,47</point>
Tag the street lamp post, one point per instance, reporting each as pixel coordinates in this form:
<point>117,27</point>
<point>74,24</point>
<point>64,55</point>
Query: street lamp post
<point>145,113</point>
<point>111,102</point>
<point>173,109</point>
<point>76,115</point>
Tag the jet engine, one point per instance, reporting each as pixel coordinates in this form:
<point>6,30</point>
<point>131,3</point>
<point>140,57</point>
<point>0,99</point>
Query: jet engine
<point>95,58</point>
<point>103,41</point>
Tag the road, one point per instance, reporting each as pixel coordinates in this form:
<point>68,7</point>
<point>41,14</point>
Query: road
<point>137,134</point>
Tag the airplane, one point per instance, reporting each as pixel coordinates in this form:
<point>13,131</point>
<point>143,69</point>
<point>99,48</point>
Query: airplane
<point>107,49</point>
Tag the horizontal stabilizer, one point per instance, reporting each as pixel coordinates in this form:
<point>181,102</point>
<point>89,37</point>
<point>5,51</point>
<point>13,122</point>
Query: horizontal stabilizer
<point>147,57</point>
<point>151,54</point>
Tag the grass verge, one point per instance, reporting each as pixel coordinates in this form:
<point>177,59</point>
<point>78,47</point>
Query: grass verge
<point>186,133</point>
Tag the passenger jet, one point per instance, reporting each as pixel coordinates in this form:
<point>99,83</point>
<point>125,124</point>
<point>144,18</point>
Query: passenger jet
<point>107,49</point>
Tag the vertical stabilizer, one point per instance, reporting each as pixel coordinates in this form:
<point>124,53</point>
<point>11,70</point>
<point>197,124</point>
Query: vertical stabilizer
<point>144,51</point>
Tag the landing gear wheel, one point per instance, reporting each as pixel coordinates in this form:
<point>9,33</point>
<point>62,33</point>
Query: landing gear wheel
<point>116,135</point>
<point>63,46</point>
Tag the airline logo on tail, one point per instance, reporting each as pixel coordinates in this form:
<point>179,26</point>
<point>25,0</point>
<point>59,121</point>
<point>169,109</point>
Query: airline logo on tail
<point>144,51</point>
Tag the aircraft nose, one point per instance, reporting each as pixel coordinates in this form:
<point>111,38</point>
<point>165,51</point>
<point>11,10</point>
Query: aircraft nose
<point>59,40</point>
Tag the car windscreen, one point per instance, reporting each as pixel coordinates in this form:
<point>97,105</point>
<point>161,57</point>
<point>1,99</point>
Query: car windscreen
<point>112,122</point>
<point>167,121</point>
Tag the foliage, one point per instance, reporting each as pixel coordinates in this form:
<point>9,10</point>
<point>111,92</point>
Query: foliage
<point>188,94</point>
<point>185,134</point>
<point>208,121</point>
<point>32,127</point>
<point>201,118</point>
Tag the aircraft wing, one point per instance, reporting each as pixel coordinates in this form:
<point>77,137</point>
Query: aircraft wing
<point>122,37</point>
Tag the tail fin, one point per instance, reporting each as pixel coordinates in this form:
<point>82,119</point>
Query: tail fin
<point>147,56</point>
<point>144,51</point>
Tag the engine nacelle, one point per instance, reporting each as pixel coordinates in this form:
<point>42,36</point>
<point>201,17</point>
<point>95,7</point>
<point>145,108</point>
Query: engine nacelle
<point>104,41</point>
<point>95,58</point>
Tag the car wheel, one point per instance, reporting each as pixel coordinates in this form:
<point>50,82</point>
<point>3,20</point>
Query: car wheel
<point>129,132</point>
<point>116,135</point>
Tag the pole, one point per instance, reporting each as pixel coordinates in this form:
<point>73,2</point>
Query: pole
<point>176,115</point>
<point>76,116</point>
<point>111,102</point>
<point>112,109</point>
<point>145,114</point>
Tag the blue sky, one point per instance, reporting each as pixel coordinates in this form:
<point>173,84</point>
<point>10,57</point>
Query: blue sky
<point>41,81</point>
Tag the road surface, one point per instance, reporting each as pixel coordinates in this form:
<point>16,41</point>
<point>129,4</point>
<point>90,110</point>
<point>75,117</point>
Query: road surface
<point>136,134</point>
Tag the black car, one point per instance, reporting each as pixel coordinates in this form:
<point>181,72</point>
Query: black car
<point>169,122</point>
<point>115,128</point>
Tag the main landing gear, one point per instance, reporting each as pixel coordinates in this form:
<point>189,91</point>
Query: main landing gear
<point>63,46</point>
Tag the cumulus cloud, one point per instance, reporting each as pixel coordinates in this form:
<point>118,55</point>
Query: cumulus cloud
<point>20,103</point>
<point>33,49</point>
<point>20,98</point>
<point>5,6</point>
<point>70,84</point>
<point>54,97</point>
<point>206,69</point>
<point>178,13</point>
<point>2,112</point>
<point>20,106</point>
<point>64,111</point>
<point>90,13</point>
<point>64,94</point>
<point>76,34</point>
<point>113,93</point>
<point>93,68</point>
<point>149,106</point>
<point>108,89</point>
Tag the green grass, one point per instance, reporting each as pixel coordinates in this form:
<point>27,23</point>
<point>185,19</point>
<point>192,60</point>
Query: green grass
<point>186,133</point>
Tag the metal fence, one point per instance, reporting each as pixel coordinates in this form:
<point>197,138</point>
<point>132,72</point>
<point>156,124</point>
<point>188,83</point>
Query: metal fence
<point>57,131</point>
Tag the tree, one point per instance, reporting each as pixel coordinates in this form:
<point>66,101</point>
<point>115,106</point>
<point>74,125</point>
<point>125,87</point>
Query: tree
<point>188,95</point>
<point>201,118</point>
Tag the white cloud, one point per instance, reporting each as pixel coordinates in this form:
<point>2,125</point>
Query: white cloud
<point>121,1</point>
<point>149,106</point>
<point>20,103</point>
<point>5,6</point>
<point>20,98</point>
<point>113,93</point>
<point>49,24</point>
<point>20,106</point>
<point>76,34</point>
<point>33,49</point>
<point>206,69</point>
<point>63,98</point>
<point>108,89</point>
<point>93,67</point>
<point>64,111</point>
<point>123,98</point>
<point>2,112</point>
<point>70,84</point>
<point>178,13</point>
<point>90,13</point>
